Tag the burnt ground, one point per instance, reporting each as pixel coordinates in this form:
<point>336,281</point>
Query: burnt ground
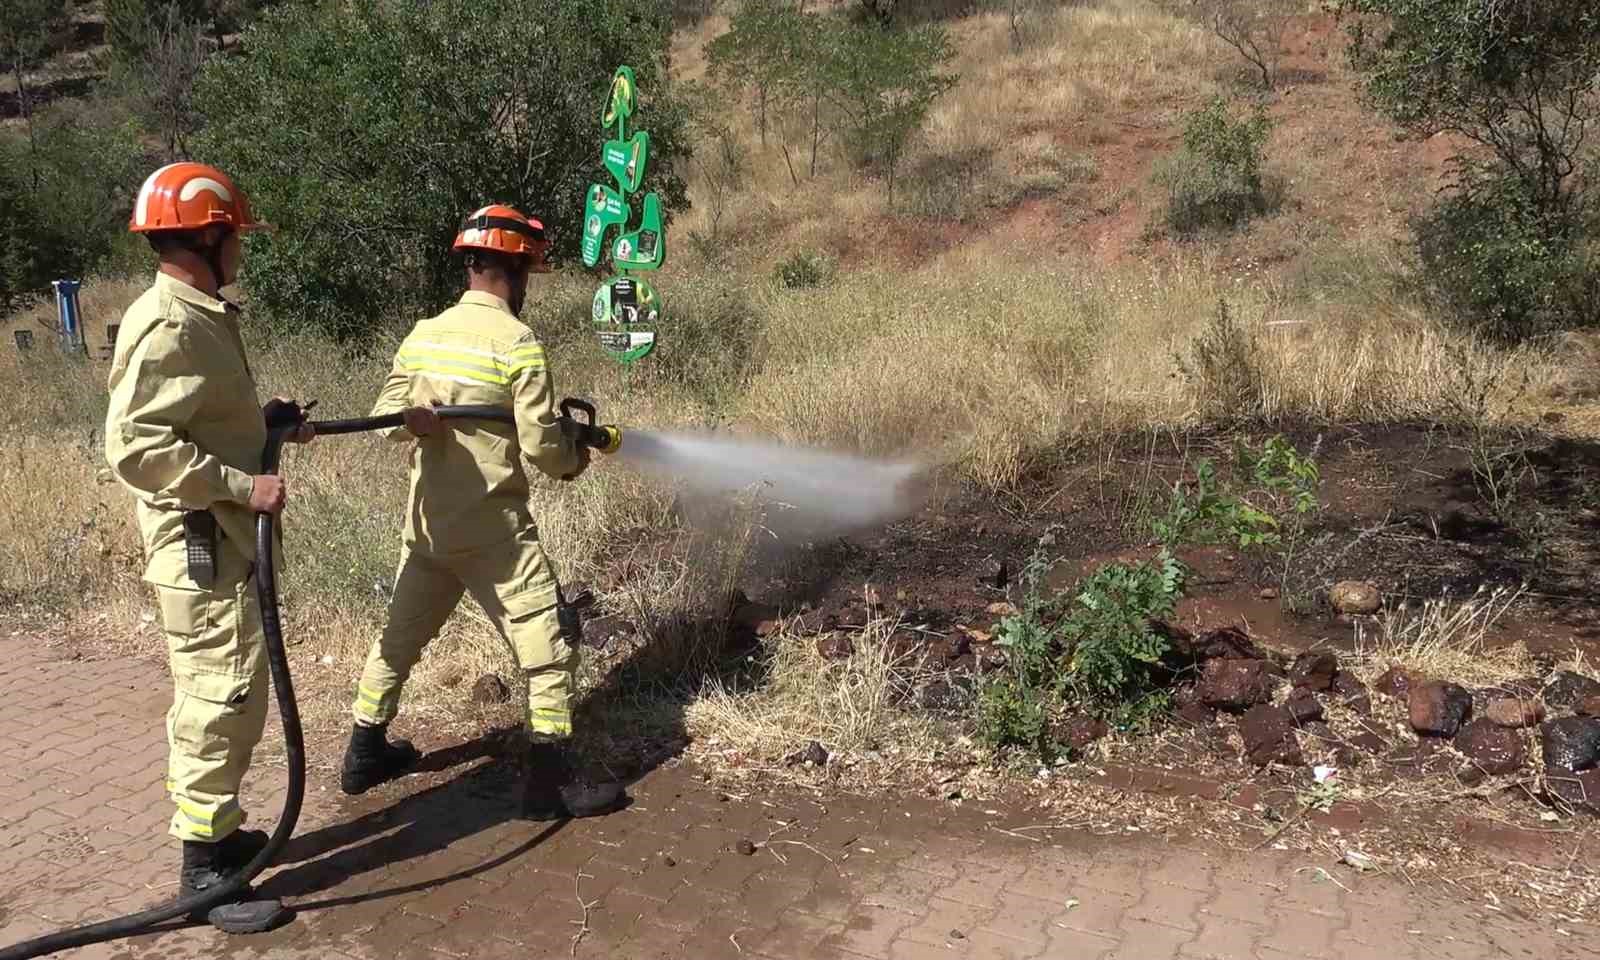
<point>1400,508</point>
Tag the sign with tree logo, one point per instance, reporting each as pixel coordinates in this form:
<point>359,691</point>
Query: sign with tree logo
<point>626,309</point>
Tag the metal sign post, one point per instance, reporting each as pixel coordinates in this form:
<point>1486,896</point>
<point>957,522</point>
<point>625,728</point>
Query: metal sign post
<point>72,339</point>
<point>626,308</point>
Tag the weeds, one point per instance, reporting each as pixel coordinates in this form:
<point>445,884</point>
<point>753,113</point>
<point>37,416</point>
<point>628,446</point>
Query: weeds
<point>804,269</point>
<point>1445,638</point>
<point>1091,650</point>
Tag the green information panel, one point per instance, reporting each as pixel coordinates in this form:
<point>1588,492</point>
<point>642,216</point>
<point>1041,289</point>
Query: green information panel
<point>625,312</point>
<point>626,309</point>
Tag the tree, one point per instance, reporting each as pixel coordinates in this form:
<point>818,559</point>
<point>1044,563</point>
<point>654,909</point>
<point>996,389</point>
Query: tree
<point>366,130</point>
<point>1253,28</point>
<point>160,82</point>
<point>1520,78</point>
<point>884,83</point>
<point>26,27</point>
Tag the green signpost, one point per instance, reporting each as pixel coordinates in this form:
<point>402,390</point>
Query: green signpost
<point>626,308</point>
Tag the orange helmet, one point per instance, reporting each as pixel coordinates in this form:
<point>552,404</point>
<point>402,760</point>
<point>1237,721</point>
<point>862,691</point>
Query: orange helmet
<point>502,229</point>
<point>190,196</point>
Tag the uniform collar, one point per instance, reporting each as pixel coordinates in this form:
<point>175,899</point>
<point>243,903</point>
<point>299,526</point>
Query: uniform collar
<point>482,299</point>
<point>167,283</point>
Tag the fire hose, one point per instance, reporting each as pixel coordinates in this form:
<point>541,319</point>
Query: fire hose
<point>283,419</point>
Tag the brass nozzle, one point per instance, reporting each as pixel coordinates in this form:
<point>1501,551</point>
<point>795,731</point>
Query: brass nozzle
<point>613,439</point>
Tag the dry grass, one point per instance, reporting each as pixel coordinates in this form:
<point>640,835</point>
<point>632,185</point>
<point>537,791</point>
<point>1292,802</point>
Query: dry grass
<point>1447,639</point>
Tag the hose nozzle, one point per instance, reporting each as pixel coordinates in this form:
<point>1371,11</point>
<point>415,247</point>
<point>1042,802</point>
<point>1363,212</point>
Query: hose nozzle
<point>606,438</point>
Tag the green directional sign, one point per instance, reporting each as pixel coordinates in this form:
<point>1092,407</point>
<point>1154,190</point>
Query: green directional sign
<point>646,247</point>
<point>619,102</point>
<point>625,313</point>
<point>626,159</point>
<point>603,209</point>
<point>626,309</point>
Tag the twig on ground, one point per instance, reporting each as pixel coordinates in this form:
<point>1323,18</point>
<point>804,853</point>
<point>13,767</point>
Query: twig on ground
<point>583,923</point>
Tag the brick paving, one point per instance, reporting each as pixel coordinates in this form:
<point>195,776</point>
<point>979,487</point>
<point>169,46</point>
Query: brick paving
<point>440,869</point>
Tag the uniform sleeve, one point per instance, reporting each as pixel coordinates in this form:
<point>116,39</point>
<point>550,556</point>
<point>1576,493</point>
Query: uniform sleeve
<point>393,398</point>
<point>148,445</point>
<point>533,401</point>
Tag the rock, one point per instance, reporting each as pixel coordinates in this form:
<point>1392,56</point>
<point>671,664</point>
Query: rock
<point>1187,650</point>
<point>1513,712</point>
<point>755,617</point>
<point>745,848</point>
<point>1188,706</point>
<point>1083,730</point>
<point>943,650</point>
<point>1354,597</point>
<point>1347,686</point>
<point>814,753</point>
<point>1269,593</point>
<point>1571,743</point>
<point>1492,748</point>
<point>1568,689</point>
<point>1236,684</point>
<point>1579,790</point>
<point>835,646</point>
<point>490,689</point>
<point>1438,709</point>
<point>1395,683</point>
<point>1268,733</point>
<point>1314,670</point>
<point>1358,748</point>
<point>1304,707</point>
<point>1319,732</point>
<point>1587,707</point>
<point>1002,609</point>
<point>943,695</point>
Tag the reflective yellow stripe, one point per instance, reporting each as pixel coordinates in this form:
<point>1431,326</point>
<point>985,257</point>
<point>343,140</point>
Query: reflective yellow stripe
<point>206,825</point>
<point>368,695</point>
<point>451,370</point>
<point>476,359</point>
<point>549,720</point>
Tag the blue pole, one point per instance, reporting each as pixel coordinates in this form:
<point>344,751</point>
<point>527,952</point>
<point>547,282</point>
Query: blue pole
<point>67,310</point>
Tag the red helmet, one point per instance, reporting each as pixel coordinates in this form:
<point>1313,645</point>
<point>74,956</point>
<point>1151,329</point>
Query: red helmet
<point>190,196</point>
<point>503,229</point>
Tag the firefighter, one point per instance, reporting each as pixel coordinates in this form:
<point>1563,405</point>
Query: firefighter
<point>184,432</point>
<point>468,524</point>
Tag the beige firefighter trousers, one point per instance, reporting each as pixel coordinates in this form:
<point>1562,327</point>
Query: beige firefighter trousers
<point>514,584</point>
<point>219,705</point>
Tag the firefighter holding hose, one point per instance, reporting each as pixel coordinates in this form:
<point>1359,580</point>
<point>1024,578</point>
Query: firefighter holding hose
<point>185,432</point>
<point>468,523</point>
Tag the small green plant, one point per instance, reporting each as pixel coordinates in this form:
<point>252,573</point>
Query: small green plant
<point>1113,658</point>
<point>804,269</point>
<point>1012,705</point>
<point>1223,366</point>
<point>1321,796</point>
<point>1214,181</point>
<point>1207,512</point>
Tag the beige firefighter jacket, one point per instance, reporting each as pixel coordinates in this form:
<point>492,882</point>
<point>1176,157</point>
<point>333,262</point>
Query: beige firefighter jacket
<point>468,486</point>
<point>184,429</point>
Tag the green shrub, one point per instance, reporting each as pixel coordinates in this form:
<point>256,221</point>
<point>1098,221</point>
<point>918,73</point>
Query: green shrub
<point>804,269</point>
<point>1224,367</point>
<point>1282,484</point>
<point>1503,268</point>
<point>1214,181</point>
<point>1113,662</point>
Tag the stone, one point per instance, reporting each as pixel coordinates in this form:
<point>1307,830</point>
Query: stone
<point>814,754</point>
<point>1314,670</point>
<point>1395,683</point>
<point>835,646</point>
<point>1185,649</point>
<point>1579,790</point>
<point>1588,707</point>
<point>745,848</point>
<point>1571,743</point>
<point>1304,707</point>
<point>1354,598</point>
<point>490,689</point>
<point>1188,706</point>
<point>1083,730</point>
<point>1002,609</point>
<point>1513,712</point>
<point>944,695</point>
<point>1567,689</point>
<point>1346,685</point>
<point>945,650</point>
<point>1492,748</point>
<point>1438,709</point>
<point>1269,593</point>
<point>1236,684</point>
<point>1269,737</point>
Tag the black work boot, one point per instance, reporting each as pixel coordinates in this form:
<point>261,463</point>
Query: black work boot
<point>203,868</point>
<point>551,792</point>
<point>372,759</point>
<point>237,849</point>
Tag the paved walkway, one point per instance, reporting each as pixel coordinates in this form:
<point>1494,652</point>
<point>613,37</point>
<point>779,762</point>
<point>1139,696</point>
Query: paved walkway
<point>443,871</point>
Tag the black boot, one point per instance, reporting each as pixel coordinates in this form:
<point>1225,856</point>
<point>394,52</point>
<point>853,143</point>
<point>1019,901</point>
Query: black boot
<point>550,792</point>
<point>238,848</point>
<point>372,759</point>
<point>203,868</point>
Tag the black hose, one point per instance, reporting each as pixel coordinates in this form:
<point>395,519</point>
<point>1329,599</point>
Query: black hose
<point>288,712</point>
